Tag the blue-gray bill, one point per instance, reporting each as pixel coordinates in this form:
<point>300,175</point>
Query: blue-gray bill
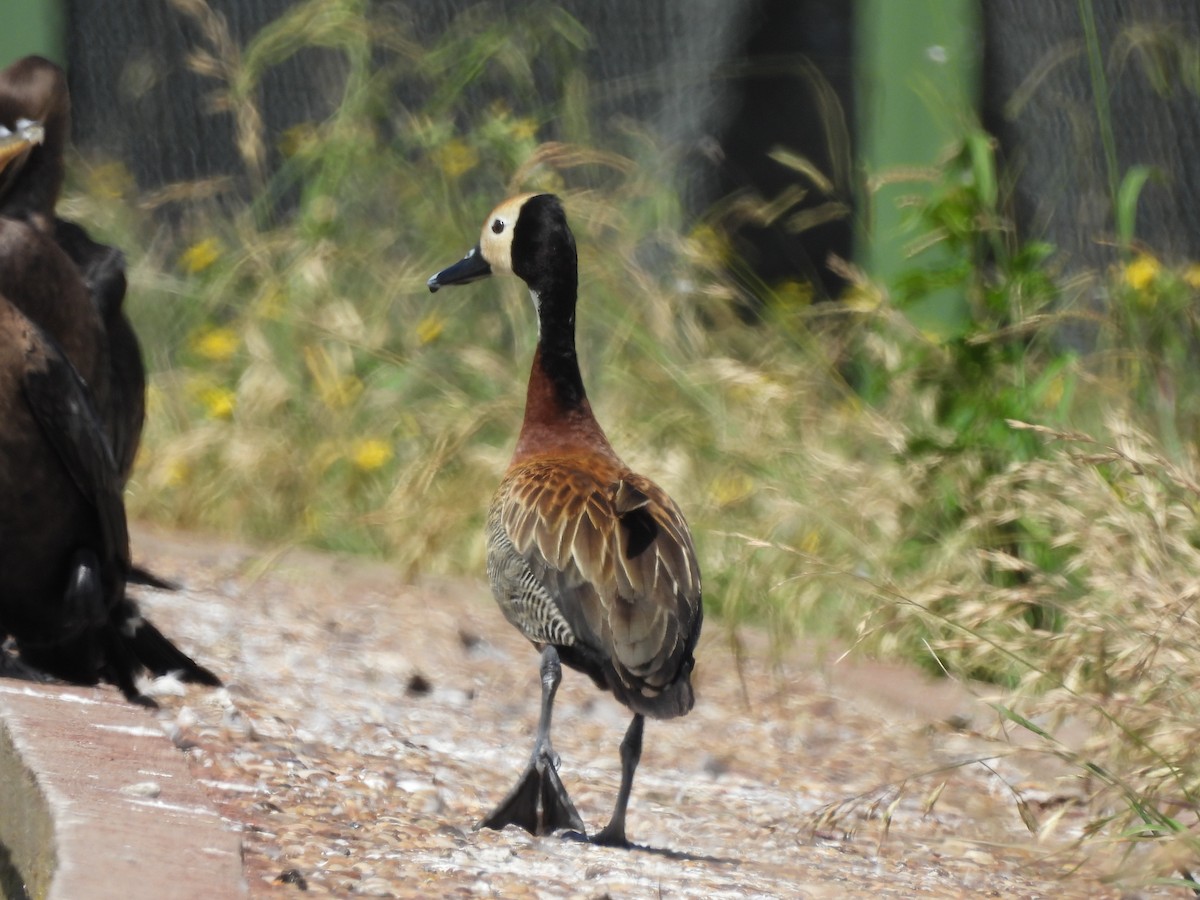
<point>470,268</point>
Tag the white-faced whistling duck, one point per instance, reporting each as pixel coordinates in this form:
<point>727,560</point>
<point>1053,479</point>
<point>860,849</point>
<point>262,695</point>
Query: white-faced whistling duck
<point>64,556</point>
<point>591,561</point>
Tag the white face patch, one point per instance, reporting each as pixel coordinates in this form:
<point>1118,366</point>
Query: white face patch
<point>495,241</point>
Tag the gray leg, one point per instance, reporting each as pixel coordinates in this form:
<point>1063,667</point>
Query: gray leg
<point>539,785</point>
<point>613,834</point>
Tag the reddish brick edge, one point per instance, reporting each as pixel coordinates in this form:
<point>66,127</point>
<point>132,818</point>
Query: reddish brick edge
<point>96,802</point>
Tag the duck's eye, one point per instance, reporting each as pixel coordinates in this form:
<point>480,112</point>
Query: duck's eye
<point>497,226</point>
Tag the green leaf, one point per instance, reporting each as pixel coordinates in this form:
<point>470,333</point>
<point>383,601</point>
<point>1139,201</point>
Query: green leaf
<point>983,167</point>
<point>1127,201</point>
<point>1014,716</point>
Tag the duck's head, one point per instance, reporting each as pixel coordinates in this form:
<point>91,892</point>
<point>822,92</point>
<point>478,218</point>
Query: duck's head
<point>35,114</point>
<point>526,235</point>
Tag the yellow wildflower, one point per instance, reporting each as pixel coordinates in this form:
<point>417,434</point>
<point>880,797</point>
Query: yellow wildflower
<point>216,344</point>
<point>201,255</point>
<point>429,329</point>
<point>218,402</point>
<point>730,488</point>
<point>1192,276</point>
<point>455,158</point>
<point>371,454</point>
<point>1142,272</point>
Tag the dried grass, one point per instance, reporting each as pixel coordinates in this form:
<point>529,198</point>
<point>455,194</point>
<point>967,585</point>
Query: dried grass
<point>307,388</point>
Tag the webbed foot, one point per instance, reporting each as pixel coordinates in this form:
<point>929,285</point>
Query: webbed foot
<point>538,802</point>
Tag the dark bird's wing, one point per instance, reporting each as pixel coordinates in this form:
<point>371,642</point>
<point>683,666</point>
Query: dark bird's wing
<point>62,405</point>
<point>102,269</point>
<point>151,648</point>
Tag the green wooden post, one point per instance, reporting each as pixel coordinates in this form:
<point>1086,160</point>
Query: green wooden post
<point>918,64</point>
<point>33,26</point>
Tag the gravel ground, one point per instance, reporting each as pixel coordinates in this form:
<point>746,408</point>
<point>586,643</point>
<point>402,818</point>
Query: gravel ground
<point>367,724</point>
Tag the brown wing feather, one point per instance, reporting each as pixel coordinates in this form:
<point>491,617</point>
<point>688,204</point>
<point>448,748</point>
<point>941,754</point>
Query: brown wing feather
<point>615,554</point>
<point>664,572</point>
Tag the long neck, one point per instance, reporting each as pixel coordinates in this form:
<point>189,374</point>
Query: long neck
<point>558,416</point>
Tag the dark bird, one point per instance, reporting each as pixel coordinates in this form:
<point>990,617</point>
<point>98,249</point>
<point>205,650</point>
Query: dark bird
<point>35,112</point>
<point>64,560</point>
<point>591,561</point>
<point>35,108</point>
<point>64,542</point>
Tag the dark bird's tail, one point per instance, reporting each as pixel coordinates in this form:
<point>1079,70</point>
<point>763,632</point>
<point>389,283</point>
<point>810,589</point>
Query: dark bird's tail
<point>150,648</point>
<point>132,644</point>
<point>146,578</point>
<point>116,650</point>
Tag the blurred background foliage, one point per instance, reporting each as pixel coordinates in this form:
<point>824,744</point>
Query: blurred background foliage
<point>969,442</point>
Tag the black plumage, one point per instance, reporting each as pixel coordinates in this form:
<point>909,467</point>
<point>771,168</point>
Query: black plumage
<point>64,542</point>
<point>64,559</point>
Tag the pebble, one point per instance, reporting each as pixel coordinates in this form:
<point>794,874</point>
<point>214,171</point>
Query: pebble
<point>149,789</point>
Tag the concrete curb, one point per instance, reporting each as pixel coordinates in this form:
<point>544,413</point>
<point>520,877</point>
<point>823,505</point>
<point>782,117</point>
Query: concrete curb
<point>96,802</point>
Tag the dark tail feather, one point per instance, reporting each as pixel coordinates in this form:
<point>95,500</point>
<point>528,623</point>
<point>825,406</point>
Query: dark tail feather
<point>146,578</point>
<point>154,651</point>
<point>120,667</point>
